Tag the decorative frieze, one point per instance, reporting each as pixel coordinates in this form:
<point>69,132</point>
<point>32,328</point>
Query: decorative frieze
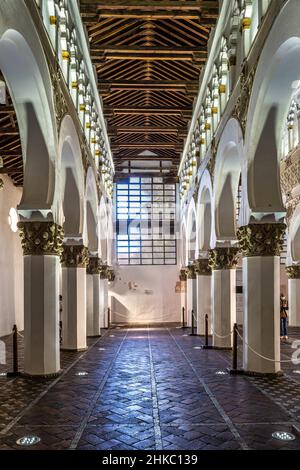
<point>261,239</point>
<point>242,103</point>
<point>93,266</point>
<point>41,238</point>
<point>191,271</point>
<point>75,256</point>
<point>293,272</point>
<point>203,267</point>
<point>223,258</point>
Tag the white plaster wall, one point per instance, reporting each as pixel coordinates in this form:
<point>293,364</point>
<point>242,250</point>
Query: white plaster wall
<point>11,263</point>
<point>145,294</point>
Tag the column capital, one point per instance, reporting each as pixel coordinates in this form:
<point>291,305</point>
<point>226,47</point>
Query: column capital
<point>93,266</point>
<point>261,239</point>
<point>75,256</point>
<point>111,274</point>
<point>104,271</point>
<point>293,272</point>
<point>41,238</point>
<point>203,267</point>
<point>191,271</point>
<point>182,275</point>
<point>223,257</point>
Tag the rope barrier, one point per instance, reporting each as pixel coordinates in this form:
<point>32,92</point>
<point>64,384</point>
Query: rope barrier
<point>20,334</point>
<point>260,355</point>
<point>221,336</point>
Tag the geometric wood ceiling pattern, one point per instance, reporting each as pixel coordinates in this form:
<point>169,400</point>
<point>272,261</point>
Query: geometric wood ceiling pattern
<point>10,143</point>
<point>148,55</point>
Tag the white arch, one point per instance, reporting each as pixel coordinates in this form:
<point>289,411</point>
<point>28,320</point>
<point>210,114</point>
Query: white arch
<point>103,229</point>
<point>92,216</point>
<point>277,72</point>
<point>26,73</point>
<point>205,214</point>
<point>70,193</point>
<point>191,232</point>
<point>228,168</point>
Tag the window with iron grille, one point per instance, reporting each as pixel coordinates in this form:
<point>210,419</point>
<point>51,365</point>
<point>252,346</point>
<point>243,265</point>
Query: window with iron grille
<point>146,221</point>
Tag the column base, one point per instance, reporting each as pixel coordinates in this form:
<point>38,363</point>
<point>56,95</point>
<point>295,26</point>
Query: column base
<point>41,376</point>
<point>217,348</point>
<point>93,336</point>
<point>250,373</point>
<point>74,349</point>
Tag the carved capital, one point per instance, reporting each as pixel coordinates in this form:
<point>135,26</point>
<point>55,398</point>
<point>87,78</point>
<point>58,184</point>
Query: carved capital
<point>104,271</point>
<point>191,271</point>
<point>203,267</point>
<point>223,258</point>
<point>41,238</point>
<point>261,239</point>
<point>111,274</point>
<point>183,275</point>
<point>94,265</point>
<point>293,272</point>
<point>75,256</point>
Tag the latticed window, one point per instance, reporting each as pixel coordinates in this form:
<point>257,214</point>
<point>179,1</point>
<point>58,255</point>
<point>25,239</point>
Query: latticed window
<point>146,221</point>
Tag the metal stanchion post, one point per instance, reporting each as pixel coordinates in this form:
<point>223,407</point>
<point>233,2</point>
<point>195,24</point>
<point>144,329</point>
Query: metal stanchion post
<point>108,317</point>
<point>193,325</point>
<point>183,318</point>
<point>15,371</point>
<point>206,346</point>
<point>235,370</point>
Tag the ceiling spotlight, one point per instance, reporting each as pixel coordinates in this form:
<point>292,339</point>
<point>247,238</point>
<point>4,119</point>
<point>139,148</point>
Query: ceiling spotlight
<point>283,436</point>
<point>27,441</point>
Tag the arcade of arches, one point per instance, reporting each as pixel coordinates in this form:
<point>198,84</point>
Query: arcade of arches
<point>150,188</point>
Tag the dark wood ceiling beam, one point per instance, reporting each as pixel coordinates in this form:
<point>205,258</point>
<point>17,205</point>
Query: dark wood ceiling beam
<point>9,131</point>
<point>146,146</point>
<point>149,111</point>
<point>99,58</point>
<point>6,109</point>
<point>147,5</point>
<point>144,15</point>
<point>144,130</point>
<point>147,159</point>
<point>11,153</point>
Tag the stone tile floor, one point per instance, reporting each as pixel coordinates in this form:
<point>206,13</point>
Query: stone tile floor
<point>148,389</point>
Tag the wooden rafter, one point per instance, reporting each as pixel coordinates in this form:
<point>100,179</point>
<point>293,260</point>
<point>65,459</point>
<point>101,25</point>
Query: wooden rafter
<point>148,55</point>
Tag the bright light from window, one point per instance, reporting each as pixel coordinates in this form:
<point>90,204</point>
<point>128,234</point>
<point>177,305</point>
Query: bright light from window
<point>13,219</point>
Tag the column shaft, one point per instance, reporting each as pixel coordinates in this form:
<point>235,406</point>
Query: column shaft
<point>261,245</point>
<point>203,302</point>
<point>41,242</point>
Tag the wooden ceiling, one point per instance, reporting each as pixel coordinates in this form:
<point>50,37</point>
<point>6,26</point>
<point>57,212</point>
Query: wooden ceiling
<point>148,55</point>
<point>10,144</point>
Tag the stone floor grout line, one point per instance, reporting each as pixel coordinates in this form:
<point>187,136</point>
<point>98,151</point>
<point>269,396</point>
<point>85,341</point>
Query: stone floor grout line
<point>253,381</point>
<point>84,422</point>
<point>156,418</point>
<point>20,415</point>
<point>217,405</point>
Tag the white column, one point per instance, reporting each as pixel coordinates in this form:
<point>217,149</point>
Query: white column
<point>203,295</point>
<point>261,245</point>
<point>293,273</point>
<point>183,294</point>
<point>41,243</point>
<point>74,263</point>
<point>105,301</point>
<point>224,261</point>
<point>93,297</point>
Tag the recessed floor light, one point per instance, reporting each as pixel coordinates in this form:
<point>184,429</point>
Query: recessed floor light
<point>221,372</point>
<point>81,373</point>
<point>283,436</point>
<point>112,336</point>
<point>184,335</point>
<point>296,371</point>
<point>197,347</point>
<point>3,374</point>
<point>27,441</point>
<point>101,349</point>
